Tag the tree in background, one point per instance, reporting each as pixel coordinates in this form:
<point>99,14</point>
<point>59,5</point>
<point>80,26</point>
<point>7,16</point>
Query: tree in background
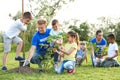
<point>46,8</point>
<point>40,9</point>
<point>112,26</point>
<point>83,31</point>
<point>1,36</point>
<point>117,32</point>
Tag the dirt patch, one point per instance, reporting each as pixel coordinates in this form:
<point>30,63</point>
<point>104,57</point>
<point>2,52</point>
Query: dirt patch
<point>24,69</point>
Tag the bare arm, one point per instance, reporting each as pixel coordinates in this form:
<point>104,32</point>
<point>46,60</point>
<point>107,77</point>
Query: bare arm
<point>109,58</point>
<point>85,56</point>
<point>115,54</point>
<point>67,52</point>
<point>92,50</point>
<point>31,52</point>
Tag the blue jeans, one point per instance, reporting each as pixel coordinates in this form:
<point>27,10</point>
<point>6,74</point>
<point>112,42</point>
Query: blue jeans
<point>66,64</point>
<point>55,56</point>
<point>36,59</point>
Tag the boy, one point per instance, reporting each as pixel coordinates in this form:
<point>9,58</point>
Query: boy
<point>111,60</point>
<point>55,31</point>
<point>12,36</point>
<point>55,28</point>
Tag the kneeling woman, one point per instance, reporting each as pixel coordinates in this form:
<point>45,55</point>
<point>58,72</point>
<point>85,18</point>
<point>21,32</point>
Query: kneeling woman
<point>68,53</point>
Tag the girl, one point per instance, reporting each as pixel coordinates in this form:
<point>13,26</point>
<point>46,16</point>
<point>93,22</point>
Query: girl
<point>81,54</point>
<point>68,52</point>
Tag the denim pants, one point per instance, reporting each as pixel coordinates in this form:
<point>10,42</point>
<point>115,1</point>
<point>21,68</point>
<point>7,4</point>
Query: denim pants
<point>66,64</point>
<point>55,56</point>
<point>36,59</point>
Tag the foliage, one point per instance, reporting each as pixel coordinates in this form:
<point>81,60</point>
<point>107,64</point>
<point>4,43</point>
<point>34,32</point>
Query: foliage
<point>62,35</point>
<point>47,60</point>
<point>1,47</point>
<point>117,32</point>
<point>96,49</point>
<point>83,31</point>
<point>17,16</point>
<point>46,8</point>
<point>1,38</point>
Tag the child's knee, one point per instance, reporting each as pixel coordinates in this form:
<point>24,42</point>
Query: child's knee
<point>71,67</point>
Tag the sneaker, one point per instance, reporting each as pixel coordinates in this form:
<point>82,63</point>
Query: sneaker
<point>19,58</point>
<point>71,71</point>
<point>4,68</point>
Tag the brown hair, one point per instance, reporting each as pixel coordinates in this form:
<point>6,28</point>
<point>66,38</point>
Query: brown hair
<point>98,31</point>
<point>41,21</point>
<point>27,15</point>
<point>75,35</point>
<point>54,22</point>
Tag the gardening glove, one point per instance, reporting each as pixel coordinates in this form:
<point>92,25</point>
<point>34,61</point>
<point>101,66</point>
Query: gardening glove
<point>26,62</point>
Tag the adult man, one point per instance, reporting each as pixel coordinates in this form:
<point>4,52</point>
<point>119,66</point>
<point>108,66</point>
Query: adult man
<point>38,39</point>
<point>12,36</point>
<point>98,44</point>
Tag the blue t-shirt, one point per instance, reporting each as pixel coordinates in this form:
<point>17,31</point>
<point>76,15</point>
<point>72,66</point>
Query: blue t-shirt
<point>39,40</point>
<point>99,45</point>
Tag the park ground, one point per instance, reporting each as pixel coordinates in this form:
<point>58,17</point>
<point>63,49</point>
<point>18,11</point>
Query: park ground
<point>84,72</point>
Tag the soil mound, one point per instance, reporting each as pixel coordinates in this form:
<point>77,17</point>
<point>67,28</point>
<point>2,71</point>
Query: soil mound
<point>24,69</point>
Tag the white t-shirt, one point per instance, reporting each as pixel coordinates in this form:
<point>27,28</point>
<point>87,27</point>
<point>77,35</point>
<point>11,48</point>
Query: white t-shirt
<point>55,33</point>
<point>15,29</point>
<point>111,50</point>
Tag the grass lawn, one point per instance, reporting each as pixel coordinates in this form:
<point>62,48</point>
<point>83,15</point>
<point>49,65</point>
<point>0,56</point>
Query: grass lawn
<point>84,72</point>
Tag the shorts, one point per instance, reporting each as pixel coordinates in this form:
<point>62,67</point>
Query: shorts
<point>8,41</point>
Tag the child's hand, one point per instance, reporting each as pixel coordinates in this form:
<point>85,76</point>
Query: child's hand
<point>61,54</point>
<point>61,47</point>
<point>54,49</point>
<point>108,58</point>
<point>59,41</point>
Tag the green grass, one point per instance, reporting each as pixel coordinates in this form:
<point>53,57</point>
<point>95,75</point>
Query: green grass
<point>84,72</point>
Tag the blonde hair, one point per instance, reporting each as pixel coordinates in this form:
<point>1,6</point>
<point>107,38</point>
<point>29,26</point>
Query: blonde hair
<point>83,43</point>
<point>41,21</point>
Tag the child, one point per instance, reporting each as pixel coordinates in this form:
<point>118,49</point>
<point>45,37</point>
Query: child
<point>111,59</point>
<point>12,36</point>
<point>68,53</point>
<point>81,53</point>
<point>55,28</point>
<point>54,32</point>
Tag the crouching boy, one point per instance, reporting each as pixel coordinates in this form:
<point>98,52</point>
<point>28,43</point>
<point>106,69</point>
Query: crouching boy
<point>111,60</point>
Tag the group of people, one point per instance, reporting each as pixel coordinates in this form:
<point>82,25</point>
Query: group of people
<point>112,52</point>
<point>72,54</point>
